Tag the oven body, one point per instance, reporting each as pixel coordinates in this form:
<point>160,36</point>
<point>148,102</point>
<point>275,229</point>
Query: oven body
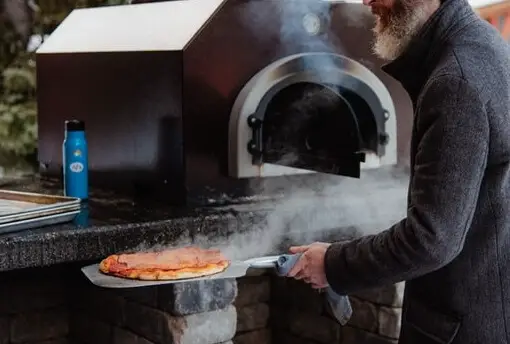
<point>157,122</point>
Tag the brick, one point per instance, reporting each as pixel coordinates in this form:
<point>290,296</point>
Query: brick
<point>252,290</point>
<point>281,337</point>
<point>364,315</point>
<point>4,330</point>
<point>306,325</point>
<point>39,325</point>
<point>262,336</point>
<point>90,330</point>
<point>147,296</point>
<point>202,328</point>
<point>148,322</point>
<point>43,295</point>
<point>197,297</point>
<point>102,304</point>
<point>390,321</point>
<point>279,320</point>
<point>54,341</point>
<point>293,294</point>
<point>390,295</point>
<point>252,317</point>
<point>353,335</point>
<point>207,328</point>
<point>121,336</point>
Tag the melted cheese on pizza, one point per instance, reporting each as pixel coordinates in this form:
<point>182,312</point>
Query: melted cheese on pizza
<point>184,262</point>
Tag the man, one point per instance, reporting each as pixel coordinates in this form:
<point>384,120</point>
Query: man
<point>453,248</point>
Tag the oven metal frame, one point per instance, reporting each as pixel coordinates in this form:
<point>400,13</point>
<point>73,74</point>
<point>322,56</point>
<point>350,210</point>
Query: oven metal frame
<point>320,68</point>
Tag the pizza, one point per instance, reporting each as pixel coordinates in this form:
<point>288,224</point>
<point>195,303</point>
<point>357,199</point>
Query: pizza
<point>171,264</point>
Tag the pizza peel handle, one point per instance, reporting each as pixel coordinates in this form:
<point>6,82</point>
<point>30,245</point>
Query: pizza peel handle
<point>340,305</point>
<point>286,262</point>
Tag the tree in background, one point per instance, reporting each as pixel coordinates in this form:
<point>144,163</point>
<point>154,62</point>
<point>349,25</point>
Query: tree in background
<point>23,26</point>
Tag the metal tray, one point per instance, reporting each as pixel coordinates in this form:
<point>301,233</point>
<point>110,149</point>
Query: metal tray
<point>37,222</point>
<point>37,214</point>
<point>18,206</point>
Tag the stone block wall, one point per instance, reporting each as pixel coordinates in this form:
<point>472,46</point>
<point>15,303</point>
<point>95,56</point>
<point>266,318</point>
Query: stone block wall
<point>33,307</point>
<point>201,312</point>
<point>253,309</point>
<point>377,312</point>
<point>59,306</point>
<point>301,315</point>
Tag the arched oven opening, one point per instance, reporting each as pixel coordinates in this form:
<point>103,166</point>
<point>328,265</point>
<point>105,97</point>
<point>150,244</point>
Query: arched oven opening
<point>324,127</point>
<point>313,112</point>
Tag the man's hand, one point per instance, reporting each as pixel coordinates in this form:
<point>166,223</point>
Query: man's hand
<point>310,266</point>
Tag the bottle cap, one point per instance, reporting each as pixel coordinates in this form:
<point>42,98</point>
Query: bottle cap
<point>75,125</point>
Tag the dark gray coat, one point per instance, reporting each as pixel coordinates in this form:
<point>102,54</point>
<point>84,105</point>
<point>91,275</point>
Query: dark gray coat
<point>454,246</point>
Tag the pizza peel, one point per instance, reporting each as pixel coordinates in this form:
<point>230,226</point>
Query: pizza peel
<point>236,269</point>
<point>282,264</point>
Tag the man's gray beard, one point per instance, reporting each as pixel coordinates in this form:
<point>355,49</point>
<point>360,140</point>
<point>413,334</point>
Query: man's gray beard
<point>393,39</point>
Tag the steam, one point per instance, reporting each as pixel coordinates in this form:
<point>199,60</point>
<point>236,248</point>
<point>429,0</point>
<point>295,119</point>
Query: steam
<point>310,206</point>
<point>357,16</point>
<point>298,26</point>
<point>322,203</point>
<point>321,208</point>
<point>296,30</point>
<point>370,204</point>
<point>328,205</point>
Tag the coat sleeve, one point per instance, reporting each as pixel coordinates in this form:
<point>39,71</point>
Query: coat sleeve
<point>450,158</point>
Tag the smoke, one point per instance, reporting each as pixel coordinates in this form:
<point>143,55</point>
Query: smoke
<point>303,25</point>
<point>319,206</point>
<point>313,205</point>
<point>356,17</point>
<point>300,25</point>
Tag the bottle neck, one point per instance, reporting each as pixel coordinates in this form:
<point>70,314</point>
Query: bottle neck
<point>75,135</point>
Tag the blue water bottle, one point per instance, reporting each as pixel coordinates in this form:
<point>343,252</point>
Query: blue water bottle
<point>75,160</point>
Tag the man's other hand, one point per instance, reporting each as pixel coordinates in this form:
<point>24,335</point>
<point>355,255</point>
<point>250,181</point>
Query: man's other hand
<point>310,266</point>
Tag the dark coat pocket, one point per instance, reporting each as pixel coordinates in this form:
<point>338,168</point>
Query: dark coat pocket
<point>423,325</point>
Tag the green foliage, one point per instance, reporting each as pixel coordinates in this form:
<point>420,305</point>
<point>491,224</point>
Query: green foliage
<point>18,128</point>
<point>19,81</point>
<point>18,115</point>
<point>18,106</point>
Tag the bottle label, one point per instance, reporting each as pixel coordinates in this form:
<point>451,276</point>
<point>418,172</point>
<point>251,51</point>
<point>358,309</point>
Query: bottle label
<point>76,167</point>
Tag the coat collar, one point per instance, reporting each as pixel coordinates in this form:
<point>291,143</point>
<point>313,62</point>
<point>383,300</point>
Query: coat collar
<point>413,67</point>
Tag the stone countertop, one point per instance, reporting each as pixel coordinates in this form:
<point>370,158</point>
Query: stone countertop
<point>108,224</point>
<point>118,224</point>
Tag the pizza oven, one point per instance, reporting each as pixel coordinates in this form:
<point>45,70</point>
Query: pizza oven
<point>201,100</point>
<point>320,112</point>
